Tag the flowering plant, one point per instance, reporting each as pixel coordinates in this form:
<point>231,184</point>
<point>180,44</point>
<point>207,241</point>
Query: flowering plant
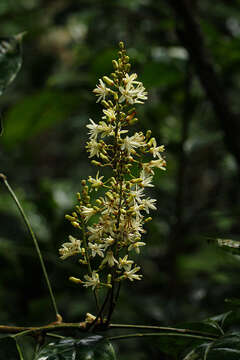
<point>111,226</point>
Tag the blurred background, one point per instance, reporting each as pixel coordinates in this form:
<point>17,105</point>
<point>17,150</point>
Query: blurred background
<point>187,54</point>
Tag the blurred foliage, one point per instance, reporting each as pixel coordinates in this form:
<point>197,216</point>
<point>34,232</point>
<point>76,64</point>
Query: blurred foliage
<point>68,46</point>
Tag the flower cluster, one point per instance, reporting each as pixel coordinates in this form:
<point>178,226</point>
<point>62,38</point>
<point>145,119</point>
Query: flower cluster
<point>112,225</point>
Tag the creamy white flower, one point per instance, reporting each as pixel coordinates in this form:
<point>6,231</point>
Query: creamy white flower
<point>110,259</point>
<point>124,263</point>
<point>148,204</point>
<point>95,232</point>
<point>70,248</point>
<point>136,246</point>
<point>97,182</point>
<point>146,179</point>
<point>96,249</point>
<point>131,94</point>
<point>130,79</point>
<point>159,163</point>
<point>131,274</point>
<point>92,281</point>
<point>94,148</point>
<point>137,194</point>
<point>131,142</point>
<point>101,91</point>
<point>110,114</point>
<point>87,212</point>
<point>94,129</point>
<point>156,150</point>
<point>105,129</point>
<point>108,241</point>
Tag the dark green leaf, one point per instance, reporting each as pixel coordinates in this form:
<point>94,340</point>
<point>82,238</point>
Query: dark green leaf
<point>38,112</point>
<point>10,62</point>
<point>10,59</point>
<point>89,348</point>
<point>225,348</point>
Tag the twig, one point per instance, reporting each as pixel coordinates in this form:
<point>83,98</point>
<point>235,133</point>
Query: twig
<point>129,336</point>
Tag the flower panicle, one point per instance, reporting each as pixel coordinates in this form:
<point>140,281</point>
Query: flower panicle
<point>111,212</point>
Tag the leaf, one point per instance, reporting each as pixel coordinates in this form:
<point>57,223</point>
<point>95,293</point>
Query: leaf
<point>90,348</point>
<point>8,349</point>
<point>10,62</point>
<point>225,348</point>
<point>10,59</point>
<point>37,113</point>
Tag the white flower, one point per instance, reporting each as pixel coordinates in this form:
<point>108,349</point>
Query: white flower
<point>94,129</point>
<point>130,79</point>
<point>108,241</point>
<point>136,246</point>
<point>93,147</point>
<point>135,141</point>
<point>95,231</point>
<point>105,129</point>
<point>110,114</point>
<point>130,93</point>
<point>141,94</point>
<point>148,204</point>
<point>131,274</point>
<point>159,163</point>
<point>110,259</point>
<point>96,182</point>
<point>101,90</point>
<point>156,150</point>
<point>137,194</point>
<point>146,179</point>
<point>92,281</point>
<point>87,212</point>
<point>70,248</point>
<point>96,249</point>
<point>125,263</point>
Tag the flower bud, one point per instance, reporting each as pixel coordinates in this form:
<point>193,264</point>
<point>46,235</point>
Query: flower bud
<point>108,81</point>
<point>115,64</point>
<point>76,225</point>
<point>75,280</point>
<point>121,45</point>
<point>105,103</point>
<point>70,218</point>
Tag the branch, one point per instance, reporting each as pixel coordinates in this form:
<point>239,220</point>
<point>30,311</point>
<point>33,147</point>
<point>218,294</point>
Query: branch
<point>191,37</point>
<point>83,326</point>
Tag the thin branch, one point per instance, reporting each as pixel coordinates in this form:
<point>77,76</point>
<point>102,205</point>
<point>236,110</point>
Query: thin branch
<point>162,329</point>
<point>83,326</point>
<point>129,336</point>
<point>30,230</point>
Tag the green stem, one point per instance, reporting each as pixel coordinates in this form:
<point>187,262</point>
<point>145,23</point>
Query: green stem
<point>162,328</point>
<point>129,336</point>
<point>19,350</point>
<point>27,223</point>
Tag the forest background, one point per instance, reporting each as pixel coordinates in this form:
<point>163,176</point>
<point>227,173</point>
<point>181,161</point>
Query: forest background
<point>187,54</point>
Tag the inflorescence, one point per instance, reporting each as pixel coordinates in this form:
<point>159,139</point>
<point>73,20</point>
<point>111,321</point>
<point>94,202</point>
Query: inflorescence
<point>111,225</point>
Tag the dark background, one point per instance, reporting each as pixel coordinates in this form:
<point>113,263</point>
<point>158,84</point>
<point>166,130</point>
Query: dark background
<point>187,54</point>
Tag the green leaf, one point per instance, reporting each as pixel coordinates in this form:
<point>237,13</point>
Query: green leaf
<point>10,62</point>
<point>38,112</point>
<point>10,59</point>
<point>8,349</point>
<point>89,348</point>
<point>225,348</point>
